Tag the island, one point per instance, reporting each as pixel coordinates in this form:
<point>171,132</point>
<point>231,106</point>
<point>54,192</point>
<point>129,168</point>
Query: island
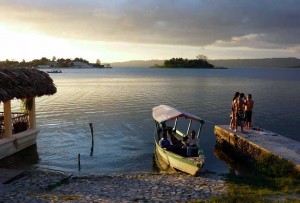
<point>45,63</point>
<point>199,62</point>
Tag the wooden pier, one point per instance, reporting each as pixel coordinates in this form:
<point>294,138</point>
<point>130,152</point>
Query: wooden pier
<point>258,142</point>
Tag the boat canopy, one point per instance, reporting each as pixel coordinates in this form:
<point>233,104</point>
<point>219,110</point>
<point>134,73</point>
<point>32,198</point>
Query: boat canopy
<point>164,113</point>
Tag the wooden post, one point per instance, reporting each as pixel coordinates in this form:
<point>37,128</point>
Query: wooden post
<point>92,132</point>
<point>79,162</point>
<point>7,119</point>
<point>32,116</point>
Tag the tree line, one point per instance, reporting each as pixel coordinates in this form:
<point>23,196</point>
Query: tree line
<point>61,62</point>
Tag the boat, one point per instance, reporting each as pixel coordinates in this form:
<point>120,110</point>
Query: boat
<point>164,116</point>
<point>54,71</point>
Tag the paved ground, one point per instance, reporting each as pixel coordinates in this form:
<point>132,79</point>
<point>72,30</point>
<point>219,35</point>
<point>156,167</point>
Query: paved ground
<point>51,186</point>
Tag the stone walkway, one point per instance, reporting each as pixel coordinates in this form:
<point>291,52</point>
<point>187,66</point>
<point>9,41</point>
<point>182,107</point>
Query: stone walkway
<point>51,186</point>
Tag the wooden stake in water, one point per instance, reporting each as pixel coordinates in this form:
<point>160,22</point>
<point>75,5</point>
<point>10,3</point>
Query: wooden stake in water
<point>79,162</point>
<point>92,132</point>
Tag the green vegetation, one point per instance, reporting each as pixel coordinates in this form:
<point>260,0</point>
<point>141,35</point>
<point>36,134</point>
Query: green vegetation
<point>273,166</point>
<point>200,62</point>
<point>26,105</point>
<point>260,189</point>
<point>43,61</point>
<point>269,179</point>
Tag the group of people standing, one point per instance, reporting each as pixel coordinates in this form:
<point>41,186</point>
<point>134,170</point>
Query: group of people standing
<point>241,112</point>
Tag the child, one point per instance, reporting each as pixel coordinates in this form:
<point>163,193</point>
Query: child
<point>248,111</point>
<point>164,142</point>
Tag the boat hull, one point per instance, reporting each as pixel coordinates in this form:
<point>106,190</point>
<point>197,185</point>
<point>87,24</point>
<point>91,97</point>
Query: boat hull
<point>190,165</point>
<point>17,142</point>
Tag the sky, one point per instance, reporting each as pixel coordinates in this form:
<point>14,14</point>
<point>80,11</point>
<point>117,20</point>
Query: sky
<point>122,30</point>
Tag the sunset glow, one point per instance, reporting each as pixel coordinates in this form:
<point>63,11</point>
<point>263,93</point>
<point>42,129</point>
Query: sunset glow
<point>120,31</point>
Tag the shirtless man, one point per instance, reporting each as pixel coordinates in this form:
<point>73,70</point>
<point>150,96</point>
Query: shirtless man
<point>248,111</point>
<point>239,106</point>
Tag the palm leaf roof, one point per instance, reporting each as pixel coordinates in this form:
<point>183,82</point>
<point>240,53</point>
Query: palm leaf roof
<point>21,83</point>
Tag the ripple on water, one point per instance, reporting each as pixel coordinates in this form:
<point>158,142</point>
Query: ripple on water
<point>119,103</point>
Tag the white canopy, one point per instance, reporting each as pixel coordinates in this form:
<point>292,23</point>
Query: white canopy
<point>164,113</point>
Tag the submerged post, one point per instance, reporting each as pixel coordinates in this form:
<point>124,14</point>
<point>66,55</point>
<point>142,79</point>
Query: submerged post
<point>92,132</point>
<point>79,162</point>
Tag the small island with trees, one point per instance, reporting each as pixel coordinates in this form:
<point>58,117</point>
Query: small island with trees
<point>45,63</point>
<point>199,62</point>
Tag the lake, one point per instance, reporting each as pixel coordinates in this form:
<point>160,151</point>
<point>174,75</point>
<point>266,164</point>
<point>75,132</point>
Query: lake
<point>119,103</point>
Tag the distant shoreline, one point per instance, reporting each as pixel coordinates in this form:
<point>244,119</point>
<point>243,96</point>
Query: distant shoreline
<point>231,63</point>
<point>161,67</point>
<point>57,68</point>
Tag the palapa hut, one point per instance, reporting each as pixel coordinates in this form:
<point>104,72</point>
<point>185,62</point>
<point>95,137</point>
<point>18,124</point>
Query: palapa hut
<point>18,129</point>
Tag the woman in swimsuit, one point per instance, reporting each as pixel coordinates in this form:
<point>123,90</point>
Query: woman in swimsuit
<point>232,115</point>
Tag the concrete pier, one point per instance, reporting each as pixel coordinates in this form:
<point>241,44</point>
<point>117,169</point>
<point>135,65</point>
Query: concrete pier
<point>257,142</point>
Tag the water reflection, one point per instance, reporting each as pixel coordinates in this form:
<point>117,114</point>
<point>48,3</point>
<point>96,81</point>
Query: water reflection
<point>236,165</point>
<point>159,165</point>
<point>22,160</point>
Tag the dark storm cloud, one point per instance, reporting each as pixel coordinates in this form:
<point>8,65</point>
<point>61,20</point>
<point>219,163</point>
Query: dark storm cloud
<point>258,24</point>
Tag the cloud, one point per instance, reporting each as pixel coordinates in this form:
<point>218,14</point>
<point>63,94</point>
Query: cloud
<point>258,24</point>
<point>250,40</point>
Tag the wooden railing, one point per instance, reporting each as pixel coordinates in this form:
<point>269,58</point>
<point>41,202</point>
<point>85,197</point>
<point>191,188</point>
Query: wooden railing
<point>20,122</point>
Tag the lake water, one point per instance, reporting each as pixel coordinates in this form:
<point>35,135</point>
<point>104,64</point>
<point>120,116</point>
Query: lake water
<point>119,103</point>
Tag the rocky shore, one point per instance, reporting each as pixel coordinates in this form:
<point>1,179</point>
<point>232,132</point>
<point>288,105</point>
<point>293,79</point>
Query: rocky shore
<point>38,185</point>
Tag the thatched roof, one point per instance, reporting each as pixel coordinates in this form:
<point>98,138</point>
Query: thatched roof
<point>23,83</point>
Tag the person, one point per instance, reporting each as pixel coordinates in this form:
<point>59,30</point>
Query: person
<point>192,144</point>
<point>239,104</point>
<point>184,141</point>
<point>192,140</point>
<point>164,142</point>
<point>176,144</point>
<point>170,136</point>
<point>248,111</point>
<point>232,115</point>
